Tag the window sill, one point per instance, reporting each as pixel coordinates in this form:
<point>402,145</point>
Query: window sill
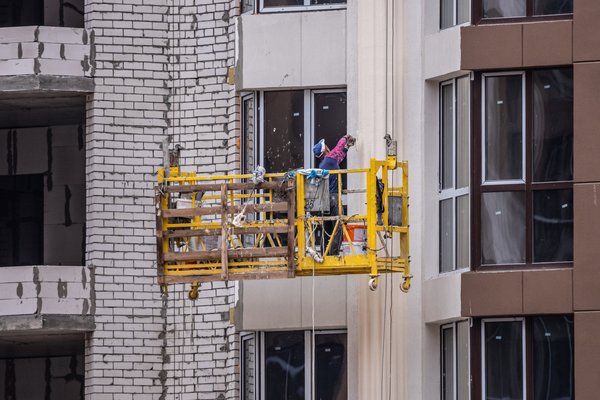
<point>524,267</point>
<point>514,20</point>
<point>275,10</point>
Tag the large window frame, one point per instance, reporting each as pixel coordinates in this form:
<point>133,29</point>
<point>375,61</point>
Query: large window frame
<point>308,123</point>
<point>455,14</point>
<point>456,352</point>
<point>455,192</point>
<point>530,371</point>
<point>478,18</point>
<point>258,6</point>
<point>523,351</point>
<point>525,185</point>
<point>259,365</point>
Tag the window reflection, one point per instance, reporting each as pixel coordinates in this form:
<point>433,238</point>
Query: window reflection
<point>284,365</point>
<point>504,8</point>
<point>553,357</point>
<point>503,228</point>
<point>503,128</point>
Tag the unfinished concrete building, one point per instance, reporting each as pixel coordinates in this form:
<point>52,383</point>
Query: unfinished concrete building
<point>493,106</point>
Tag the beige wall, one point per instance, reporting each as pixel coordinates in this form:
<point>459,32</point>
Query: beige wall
<point>289,304</point>
<point>285,50</point>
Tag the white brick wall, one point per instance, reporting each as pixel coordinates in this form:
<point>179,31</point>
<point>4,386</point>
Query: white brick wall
<point>160,69</point>
<point>45,50</point>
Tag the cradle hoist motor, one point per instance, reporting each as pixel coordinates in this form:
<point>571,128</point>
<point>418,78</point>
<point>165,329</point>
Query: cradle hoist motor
<point>281,225</point>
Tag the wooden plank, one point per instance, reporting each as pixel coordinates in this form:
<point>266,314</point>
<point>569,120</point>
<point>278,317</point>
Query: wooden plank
<point>179,233</point>
<point>224,235</point>
<point>250,275</point>
<point>291,236</point>
<point>211,255</point>
<point>249,208</point>
<point>214,187</point>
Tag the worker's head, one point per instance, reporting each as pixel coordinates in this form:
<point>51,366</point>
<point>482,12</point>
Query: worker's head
<point>320,149</point>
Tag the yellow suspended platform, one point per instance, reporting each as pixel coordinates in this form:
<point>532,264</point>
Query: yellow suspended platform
<point>235,227</point>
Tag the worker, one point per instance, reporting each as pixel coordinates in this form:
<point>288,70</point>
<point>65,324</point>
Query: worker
<point>331,160</point>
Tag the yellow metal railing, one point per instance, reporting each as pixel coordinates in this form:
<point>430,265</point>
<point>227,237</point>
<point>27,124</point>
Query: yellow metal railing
<point>232,227</point>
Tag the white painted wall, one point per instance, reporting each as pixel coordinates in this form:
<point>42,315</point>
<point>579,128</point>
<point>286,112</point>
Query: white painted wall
<point>287,50</point>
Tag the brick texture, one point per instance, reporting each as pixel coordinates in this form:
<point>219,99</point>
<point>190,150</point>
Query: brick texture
<point>160,70</point>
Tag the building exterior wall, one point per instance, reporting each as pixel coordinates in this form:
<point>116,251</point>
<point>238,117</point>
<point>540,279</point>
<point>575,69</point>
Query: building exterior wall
<point>164,69</point>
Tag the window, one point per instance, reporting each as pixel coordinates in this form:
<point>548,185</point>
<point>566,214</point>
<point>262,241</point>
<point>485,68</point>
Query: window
<point>289,124</point>
<point>519,353</point>
<point>454,174</point>
<point>453,12</point>
<point>526,191</point>
<point>455,378</point>
<point>42,12</point>
<point>248,367</point>
<point>266,6</point>
<point>249,139</point>
<point>21,219</point>
<point>491,9</point>
<point>246,6</point>
<point>290,368</point>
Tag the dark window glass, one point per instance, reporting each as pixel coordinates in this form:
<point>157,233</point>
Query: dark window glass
<point>284,130</point>
<point>503,360</point>
<point>553,125</point>
<point>282,3</point>
<point>284,365</point>
<point>448,363</point>
<point>330,367</point>
<point>504,8</point>
<point>503,128</point>
<point>330,118</point>
<point>21,12</point>
<point>446,236</point>
<point>553,358</point>
<point>553,225</point>
<point>446,13</point>
<point>503,228</point>
<point>548,7</point>
<point>21,219</point>
<point>447,139</point>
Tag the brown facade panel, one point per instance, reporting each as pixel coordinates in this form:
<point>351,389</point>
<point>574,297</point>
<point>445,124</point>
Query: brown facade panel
<point>586,39</point>
<point>587,355</point>
<point>491,293</point>
<point>586,121</point>
<point>491,46</point>
<point>586,265</point>
<point>548,43</point>
<point>548,291</point>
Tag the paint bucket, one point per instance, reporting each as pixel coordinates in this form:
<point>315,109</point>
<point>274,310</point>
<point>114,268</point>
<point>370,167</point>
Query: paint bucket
<point>358,240</point>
